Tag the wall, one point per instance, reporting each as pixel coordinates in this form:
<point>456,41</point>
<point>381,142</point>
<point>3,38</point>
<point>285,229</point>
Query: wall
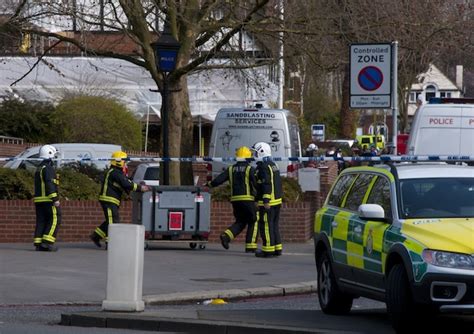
<point>80,218</point>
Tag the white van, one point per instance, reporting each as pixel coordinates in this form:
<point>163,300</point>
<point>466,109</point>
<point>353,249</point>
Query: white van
<point>67,151</point>
<point>236,127</point>
<point>443,127</point>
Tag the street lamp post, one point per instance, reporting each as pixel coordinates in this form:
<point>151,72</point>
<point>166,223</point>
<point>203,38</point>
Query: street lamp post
<point>166,53</point>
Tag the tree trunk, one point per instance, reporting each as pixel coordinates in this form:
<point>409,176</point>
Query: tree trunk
<point>175,112</point>
<point>187,143</point>
<point>347,116</point>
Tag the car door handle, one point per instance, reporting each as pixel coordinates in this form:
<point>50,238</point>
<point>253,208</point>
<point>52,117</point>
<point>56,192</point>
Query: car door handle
<point>334,224</point>
<point>358,230</point>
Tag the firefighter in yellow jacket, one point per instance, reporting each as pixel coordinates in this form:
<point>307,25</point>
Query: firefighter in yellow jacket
<point>269,199</point>
<point>114,184</point>
<point>46,199</point>
<point>241,177</point>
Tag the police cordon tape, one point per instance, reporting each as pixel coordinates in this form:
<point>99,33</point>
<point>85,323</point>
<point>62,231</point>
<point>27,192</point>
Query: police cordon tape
<point>381,158</point>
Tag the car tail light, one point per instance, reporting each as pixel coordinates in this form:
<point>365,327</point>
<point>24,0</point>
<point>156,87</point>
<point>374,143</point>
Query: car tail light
<point>291,170</point>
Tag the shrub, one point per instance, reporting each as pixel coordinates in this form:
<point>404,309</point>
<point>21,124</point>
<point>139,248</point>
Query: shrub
<point>291,191</point>
<point>75,185</point>
<point>90,119</point>
<point>19,184</point>
<point>16,184</point>
<point>25,119</point>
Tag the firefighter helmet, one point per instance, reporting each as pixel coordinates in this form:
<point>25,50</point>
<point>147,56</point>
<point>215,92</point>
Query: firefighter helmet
<point>262,150</point>
<point>48,152</point>
<point>243,152</point>
<point>118,159</point>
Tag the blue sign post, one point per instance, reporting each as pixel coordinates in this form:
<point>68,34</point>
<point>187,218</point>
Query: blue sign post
<point>166,54</point>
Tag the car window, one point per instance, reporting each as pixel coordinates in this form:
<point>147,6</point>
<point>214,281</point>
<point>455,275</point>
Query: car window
<point>340,188</point>
<point>380,194</point>
<point>30,164</point>
<point>437,198</point>
<point>152,173</point>
<point>357,192</point>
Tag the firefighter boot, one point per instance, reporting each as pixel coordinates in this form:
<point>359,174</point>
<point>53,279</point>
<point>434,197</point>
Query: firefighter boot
<point>45,247</point>
<point>225,240</point>
<point>95,239</point>
<point>260,253</point>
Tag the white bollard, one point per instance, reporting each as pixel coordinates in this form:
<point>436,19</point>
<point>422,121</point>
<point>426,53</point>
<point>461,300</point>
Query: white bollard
<point>125,268</point>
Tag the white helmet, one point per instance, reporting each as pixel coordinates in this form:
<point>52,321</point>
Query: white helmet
<point>262,150</point>
<point>48,152</point>
<point>312,147</point>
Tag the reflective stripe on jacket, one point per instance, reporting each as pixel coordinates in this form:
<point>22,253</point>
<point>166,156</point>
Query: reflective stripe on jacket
<point>114,184</point>
<point>241,177</point>
<point>46,189</point>
<point>269,187</point>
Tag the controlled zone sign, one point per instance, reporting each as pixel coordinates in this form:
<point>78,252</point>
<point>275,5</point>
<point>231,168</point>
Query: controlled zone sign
<point>371,76</point>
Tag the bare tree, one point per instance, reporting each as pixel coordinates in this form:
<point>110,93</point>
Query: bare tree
<point>425,30</point>
<point>205,29</point>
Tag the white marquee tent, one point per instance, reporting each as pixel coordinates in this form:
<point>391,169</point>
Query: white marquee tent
<point>54,78</point>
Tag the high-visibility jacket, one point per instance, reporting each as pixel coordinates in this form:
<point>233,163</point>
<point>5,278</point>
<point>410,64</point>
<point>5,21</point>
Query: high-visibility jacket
<point>114,184</point>
<point>46,183</point>
<point>269,186</point>
<point>241,177</point>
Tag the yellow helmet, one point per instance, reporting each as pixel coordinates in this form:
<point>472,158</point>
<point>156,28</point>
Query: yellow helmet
<point>117,159</point>
<point>243,152</point>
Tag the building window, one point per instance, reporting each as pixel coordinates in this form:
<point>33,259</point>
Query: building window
<point>412,97</point>
<point>430,92</point>
<point>445,94</point>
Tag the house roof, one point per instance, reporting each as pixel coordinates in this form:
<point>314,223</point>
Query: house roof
<point>435,77</point>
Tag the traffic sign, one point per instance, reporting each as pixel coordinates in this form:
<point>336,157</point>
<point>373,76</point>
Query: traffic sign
<point>370,76</point>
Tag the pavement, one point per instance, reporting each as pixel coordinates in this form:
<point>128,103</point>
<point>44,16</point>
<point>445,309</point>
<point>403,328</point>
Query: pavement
<point>173,273</point>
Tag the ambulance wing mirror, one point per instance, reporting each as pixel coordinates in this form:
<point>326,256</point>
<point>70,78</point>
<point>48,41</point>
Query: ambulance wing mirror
<point>372,212</point>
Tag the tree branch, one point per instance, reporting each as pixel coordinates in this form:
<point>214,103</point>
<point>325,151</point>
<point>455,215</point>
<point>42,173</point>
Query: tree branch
<point>40,58</point>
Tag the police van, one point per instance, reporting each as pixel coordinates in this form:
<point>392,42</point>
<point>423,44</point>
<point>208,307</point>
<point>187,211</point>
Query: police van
<point>443,127</point>
<point>236,127</point>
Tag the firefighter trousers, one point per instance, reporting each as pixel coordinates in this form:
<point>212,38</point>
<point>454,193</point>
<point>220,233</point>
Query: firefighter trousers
<point>48,219</point>
<point>269,229</point>
<point>111,213</point>
<point>245,213</point>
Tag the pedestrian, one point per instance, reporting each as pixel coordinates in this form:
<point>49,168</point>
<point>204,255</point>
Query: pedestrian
<point>241,177</point>
<point>114,184</point>
<point>311,151</point>
<point>269,199</point>
<point>46,199</point>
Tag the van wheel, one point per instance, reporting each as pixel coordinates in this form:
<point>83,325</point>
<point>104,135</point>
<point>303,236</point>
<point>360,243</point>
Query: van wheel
<point>331,299</point>
<point>192,245</point>
<point>400,304</point>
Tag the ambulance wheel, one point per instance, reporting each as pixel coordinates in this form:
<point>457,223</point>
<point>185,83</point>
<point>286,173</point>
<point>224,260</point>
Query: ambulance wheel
<point>400,304</point>
<point>201,246</point>
<point>193,245</point>
<point>331,299</point>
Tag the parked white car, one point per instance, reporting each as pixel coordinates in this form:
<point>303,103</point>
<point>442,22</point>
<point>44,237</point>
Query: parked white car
<point>148,173</point>
<point>71,152</point>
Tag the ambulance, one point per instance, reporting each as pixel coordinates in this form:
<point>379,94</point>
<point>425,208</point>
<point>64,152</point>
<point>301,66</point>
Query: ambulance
<point>236,127</point>
<point>443,127</point>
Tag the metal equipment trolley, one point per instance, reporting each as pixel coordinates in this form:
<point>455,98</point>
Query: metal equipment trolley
<point>174,213</point>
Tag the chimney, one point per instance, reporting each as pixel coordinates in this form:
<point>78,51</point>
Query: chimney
<point>459,78</point>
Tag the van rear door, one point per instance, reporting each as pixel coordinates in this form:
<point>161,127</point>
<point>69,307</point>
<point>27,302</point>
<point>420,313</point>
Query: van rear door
<point>439,131</point>
<point>236,127</point>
